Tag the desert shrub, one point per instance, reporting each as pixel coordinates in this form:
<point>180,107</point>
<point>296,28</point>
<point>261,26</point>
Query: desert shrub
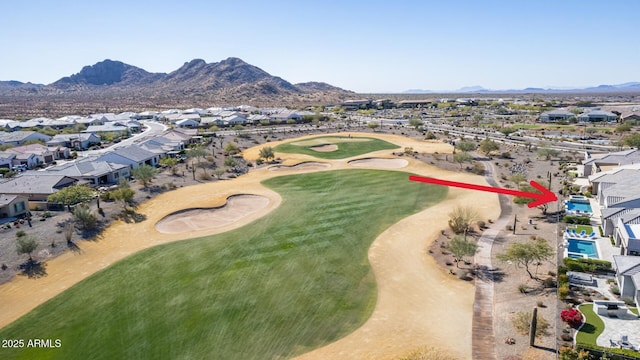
<point>572,316</point>
<point>21,233</point>
<point>478,168</point>
<point>563,292</point>
<point>204,176</point>
<point>522,320</point>
<point>615,290</point>
<point>566,337</point>
<point>85,217</point>
<point>461,218</point>
<point>549,282</point>
<point>481,224</point>
<point>540,304</point>
<point>523,288</point>
<point>629,301</point>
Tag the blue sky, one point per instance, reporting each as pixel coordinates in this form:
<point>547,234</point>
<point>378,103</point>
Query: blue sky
<point>364,46</point>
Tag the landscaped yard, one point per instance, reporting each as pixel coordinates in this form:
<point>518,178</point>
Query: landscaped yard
<point>346,147</point>
<point>592,328</point>
<point>586,228</point>
<point>294,280</point>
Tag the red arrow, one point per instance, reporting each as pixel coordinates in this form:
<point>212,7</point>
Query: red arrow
<point>541,198</point>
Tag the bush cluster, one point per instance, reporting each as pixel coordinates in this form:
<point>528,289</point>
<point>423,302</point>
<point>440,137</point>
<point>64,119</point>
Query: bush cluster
<point>587,265</point>
<point>580,220</point>
<point>572,316</point>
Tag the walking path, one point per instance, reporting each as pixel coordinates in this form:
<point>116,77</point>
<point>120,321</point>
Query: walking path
<point>483,338</point>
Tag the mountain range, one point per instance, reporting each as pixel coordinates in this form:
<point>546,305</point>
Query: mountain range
<point>229,77</point>
<point>629,87</point>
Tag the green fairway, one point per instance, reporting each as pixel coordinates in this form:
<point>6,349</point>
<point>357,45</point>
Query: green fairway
<point>289,282</point>
<point>347,147</point>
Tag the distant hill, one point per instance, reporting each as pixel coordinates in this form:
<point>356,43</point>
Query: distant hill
<point>13,84</point>
<point>108,72</point>
<point>629,87</point>
<point>228,78</point>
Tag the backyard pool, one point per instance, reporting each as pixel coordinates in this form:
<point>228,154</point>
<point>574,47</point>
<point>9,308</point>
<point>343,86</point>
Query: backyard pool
<point>576,206</point>
<point>578,248</point>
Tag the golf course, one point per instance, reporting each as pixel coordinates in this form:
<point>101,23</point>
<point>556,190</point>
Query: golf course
<point>296,276</point>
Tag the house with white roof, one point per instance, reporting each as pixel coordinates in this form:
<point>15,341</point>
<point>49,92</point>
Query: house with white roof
<point>628,276</point>
<point>132,155</point>
<point>555,116</point>
<point>597,115</point>
<point>108,127</point>
<point>627,237</point>
<point>80,141</point>
<point>43,153</point>
<point>610,161</point>
<point>36,186</point>
<point>187,123</point>
<point>17,138</point>
<point>92,171</point>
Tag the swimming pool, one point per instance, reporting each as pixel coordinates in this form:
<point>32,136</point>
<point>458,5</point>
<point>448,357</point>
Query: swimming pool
<point>577,206</point>
<point>582,248</point>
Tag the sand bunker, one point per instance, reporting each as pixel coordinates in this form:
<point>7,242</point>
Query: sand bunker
<point>380,163</point>
<point>309,165</point>
<point>236,208</point>
<point>325,148</point>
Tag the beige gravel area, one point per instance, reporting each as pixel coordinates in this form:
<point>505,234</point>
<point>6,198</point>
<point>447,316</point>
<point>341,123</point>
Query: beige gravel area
<point>418,303</point>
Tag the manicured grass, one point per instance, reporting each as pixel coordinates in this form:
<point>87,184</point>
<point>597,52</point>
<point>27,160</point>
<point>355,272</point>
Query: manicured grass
<point>346,147</point>
<point>634,310</point>
<point>593,327</point>
<point>292,281</point>
<point>587,229</point>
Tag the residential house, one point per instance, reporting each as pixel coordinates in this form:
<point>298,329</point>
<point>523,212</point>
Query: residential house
<point>593,164</point>
<point>186,136</point>
<point>627,237</point>
<point>258,118</point>
<point>13,206</point>
<point>92,171</point>
<point>17,138</point>
<point>628,276</point>
<point>235,120</point>
<point>6,159</point>
<point>117,127</point>
<point>556,115</point>
<point>79,141</point>
<point>610,216</point>
<point>604,179</point>
<point>27,159</point>
<point>187,123</point>
<point>597,115</point>
<point>43,153</point>
<point>286,115</point>
<point>163,146</point>
<point>356,104</point>
<point>131,155</point>
<point>36,186</point>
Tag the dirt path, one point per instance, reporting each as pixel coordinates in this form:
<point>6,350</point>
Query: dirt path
<point>418,303</point>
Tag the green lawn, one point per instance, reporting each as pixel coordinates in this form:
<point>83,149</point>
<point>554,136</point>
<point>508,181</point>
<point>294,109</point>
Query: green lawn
<point>347,147</point>
<point>292,281</point>
<point>587,228</point>
<point>592,328</point>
